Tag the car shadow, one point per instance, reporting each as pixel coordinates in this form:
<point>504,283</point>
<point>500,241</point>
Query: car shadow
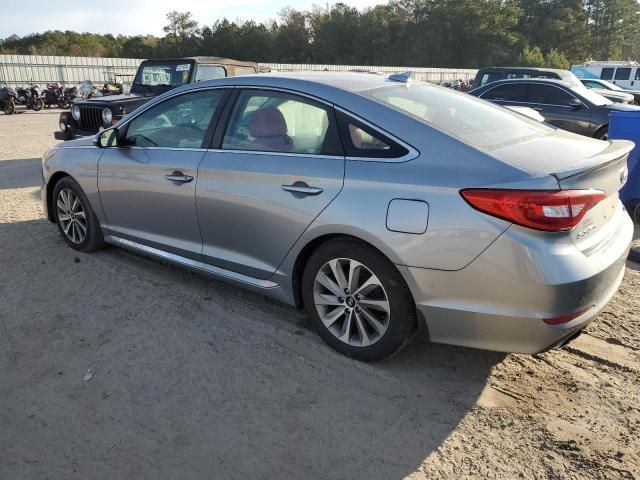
<point>135,367</point>
<point>20,173</point>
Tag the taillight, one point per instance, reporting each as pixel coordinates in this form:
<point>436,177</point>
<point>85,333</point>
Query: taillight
<point>548,210</point>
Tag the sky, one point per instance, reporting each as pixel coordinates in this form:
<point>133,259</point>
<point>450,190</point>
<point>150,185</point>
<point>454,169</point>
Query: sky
<point>133,17</point>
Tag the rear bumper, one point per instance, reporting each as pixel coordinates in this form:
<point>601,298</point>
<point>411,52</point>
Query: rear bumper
<point>499,302</point>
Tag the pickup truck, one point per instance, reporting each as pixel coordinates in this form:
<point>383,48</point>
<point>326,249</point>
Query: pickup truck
<point>154,77</point>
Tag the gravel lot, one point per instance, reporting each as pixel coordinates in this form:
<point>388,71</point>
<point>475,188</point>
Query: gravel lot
<point>115,366</point>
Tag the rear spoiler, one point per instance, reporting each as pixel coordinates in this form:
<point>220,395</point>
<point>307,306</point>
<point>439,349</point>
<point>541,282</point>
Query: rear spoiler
<point>612,154</point>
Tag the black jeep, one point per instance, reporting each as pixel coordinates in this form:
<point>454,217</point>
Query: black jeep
<point>153,78</point>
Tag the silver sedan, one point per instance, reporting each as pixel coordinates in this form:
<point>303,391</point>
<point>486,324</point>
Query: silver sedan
<point>381,206</point>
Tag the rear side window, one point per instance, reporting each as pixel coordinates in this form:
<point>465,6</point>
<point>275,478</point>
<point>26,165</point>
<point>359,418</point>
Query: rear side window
<point>607,73</point>
<point>279,122</point>
<point>361,140</point>
<point>514,93</point>
<point>245,70</point>
<point>623,73</point>
<point>210,72</point>
<point>545,94</point>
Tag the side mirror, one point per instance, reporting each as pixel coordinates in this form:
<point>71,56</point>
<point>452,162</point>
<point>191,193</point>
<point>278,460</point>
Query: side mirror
<point>575,104</point>
<point>106,138</point>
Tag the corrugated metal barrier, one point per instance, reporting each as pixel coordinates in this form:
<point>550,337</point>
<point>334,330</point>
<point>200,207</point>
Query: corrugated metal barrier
<point>18,70</point>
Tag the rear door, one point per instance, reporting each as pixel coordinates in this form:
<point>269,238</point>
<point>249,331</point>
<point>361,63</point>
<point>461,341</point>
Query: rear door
<point>553,103</point>
<point>277,165</point>
<point>147,184</point>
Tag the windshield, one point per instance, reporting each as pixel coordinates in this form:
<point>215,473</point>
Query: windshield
<point>474,121</point>
<point>592,96</point>
<point>570,78</point>
<point>162,74</point>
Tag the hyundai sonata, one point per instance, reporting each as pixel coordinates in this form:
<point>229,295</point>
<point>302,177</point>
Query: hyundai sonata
<point>376,204</point>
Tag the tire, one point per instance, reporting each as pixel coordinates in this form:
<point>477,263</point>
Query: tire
<point>37,105</point>
<point>9,107</point>
<point>73,234</point>
<point>387,298</point>
<point>602,134</point>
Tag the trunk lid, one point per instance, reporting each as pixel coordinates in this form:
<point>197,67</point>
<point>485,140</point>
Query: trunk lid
<point>605,171</point>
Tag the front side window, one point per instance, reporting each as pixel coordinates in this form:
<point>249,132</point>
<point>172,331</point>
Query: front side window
<point>607,73</point>
<point>548,95</point>
<point>623,73</point>
<point>279,122</point>
<point>179,122</point>
<point>210,72</point>
<point>463,116</point>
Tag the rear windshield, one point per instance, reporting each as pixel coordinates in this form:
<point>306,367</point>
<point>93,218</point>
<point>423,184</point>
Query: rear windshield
<point>474,121</point>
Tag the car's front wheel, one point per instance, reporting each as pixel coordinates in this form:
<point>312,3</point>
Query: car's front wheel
<point>76,221</point>
<point>358,301</point>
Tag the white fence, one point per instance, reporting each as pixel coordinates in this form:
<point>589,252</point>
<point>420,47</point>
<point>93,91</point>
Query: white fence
<point>18,70</point>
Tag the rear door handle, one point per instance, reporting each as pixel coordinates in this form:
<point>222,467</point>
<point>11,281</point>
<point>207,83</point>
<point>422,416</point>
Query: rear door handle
<point>302,188</point>
<point>179,177</point>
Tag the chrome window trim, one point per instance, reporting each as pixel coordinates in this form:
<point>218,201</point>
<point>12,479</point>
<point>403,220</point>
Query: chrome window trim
<point>153,103</point>
<point>411,154</point>
<point>213,270</point>
<point>277,154</point>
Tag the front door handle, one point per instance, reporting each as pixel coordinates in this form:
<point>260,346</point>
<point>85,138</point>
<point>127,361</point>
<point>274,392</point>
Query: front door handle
<point>302,188</point>
<point>179,177</point>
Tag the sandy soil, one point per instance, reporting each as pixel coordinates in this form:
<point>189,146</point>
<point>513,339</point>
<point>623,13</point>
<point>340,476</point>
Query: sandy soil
<point>115,366</point>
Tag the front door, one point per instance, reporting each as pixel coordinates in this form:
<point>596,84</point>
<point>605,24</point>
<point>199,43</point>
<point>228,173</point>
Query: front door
<point>553,103</point>
<point>148,182</point>
<point>280,164</point>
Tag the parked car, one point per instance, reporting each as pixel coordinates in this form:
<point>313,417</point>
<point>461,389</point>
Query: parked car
<point>623,74</point>
<point>376,205</point>
<point>573,108</point>
<point>153,78</point>
<point>599,85</point>
<point>494,74</point>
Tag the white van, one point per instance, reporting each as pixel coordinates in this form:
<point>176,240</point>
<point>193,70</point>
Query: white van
<point>623,74</point>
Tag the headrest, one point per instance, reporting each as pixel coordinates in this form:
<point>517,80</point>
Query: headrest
<point>267,122</point>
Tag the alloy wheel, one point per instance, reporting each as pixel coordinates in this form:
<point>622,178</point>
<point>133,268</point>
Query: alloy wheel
<point>351,302</point>
<point>72,216</point>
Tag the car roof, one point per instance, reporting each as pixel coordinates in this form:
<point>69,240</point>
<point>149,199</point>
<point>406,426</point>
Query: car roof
<point>542,81</point>
<point>203,59</point>
<point>345,81</point>
<point>528,69</point>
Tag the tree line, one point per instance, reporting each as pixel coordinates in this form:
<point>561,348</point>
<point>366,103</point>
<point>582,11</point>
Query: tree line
<point>430,33</point>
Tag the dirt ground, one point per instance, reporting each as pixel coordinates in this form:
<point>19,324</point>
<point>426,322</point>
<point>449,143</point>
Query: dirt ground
<point>115,366</point>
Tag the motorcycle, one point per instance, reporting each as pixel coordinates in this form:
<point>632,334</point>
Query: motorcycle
<point>30,97</point>
<point>70,95</point>
<point>54,96</point>
<point>88,90</point>
<point>7,100</point>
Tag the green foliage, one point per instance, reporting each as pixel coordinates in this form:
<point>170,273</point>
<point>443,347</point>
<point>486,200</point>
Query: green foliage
<point>556,59</point>
<point>436,33</point>
<point>530,57</point>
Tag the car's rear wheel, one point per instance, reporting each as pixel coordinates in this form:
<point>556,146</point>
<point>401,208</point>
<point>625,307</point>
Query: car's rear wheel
<point>358,301</point>
<point>76,221</point>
